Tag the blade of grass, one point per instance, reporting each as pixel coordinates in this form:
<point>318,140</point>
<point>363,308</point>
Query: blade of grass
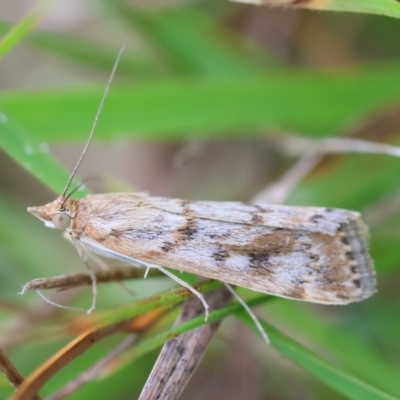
<point>191,41</point>
<point>32,154</point>
<point>389,8</point>
<point>285,99</point>
<point>336,378</point>
<point>138,307</point>
<point>19,31</point>
<point>349,340</point>
<point>147,345</point>
<point>91,54</point>
<point>341,381</point>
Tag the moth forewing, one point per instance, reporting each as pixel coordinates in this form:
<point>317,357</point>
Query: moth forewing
<point>304,253</point>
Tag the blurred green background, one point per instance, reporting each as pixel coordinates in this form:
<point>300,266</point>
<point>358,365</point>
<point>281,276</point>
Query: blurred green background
<point>202,92</point>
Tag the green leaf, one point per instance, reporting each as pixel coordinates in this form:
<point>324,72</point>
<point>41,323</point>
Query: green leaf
<point>389,8</point>
<point>339,380</point>
<point>33,155</point>
<point>91,54</point>
<point>19,31</point>
<point>346,336</point>
<point>291,100</point>
<point>188,40</point>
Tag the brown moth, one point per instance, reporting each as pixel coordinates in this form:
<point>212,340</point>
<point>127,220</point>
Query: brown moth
<point>312,254</point>
<point>304,253</point>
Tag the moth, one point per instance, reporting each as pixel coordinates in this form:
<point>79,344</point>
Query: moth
<point>313,254</point>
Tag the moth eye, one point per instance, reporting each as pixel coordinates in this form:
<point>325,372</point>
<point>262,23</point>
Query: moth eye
<point>61,220</point>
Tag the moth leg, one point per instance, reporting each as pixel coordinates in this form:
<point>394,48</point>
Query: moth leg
<point>94,288</point>
<point>47,300</point>
<point>253,316</point>
<point>83,255</point>
<point>182,283</point>
<point>103,265</point>
<point>146,273</point>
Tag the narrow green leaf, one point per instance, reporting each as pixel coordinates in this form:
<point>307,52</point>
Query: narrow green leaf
<point>339,380</point>
<point>190,40</point>
<point>92,54</point>
<point>158,340</point>
<point>287,99</point>
<point>346,336</point>
<point>18,32</point>
<point>389,8</point>
<point>33,155</point>
<point>138,307</point>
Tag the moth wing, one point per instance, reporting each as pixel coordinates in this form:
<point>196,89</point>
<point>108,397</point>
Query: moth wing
<point>311,219</point>
<point>293,262</point>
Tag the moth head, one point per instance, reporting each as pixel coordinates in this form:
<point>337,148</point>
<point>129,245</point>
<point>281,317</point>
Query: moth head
<point>57,214</point>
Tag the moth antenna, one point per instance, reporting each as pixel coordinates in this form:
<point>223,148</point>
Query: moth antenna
<point>69,195</point>
<point>110,79</point>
